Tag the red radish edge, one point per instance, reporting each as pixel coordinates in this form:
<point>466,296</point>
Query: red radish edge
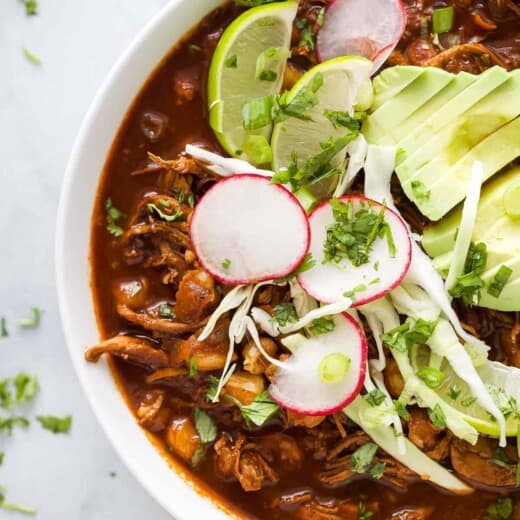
<point>360,300</point>
<point>244,281</point>
<point>355,392</point>
<point>379,57</point>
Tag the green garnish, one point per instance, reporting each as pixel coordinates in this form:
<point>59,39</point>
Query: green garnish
<point>403,337</point>
<point>420,192</point>
<point>468,401</point>
<point>8,423</point>
<point>166,311</point>
<point>259,411</point>
<point>257,113</point>
<point>321,16</point>
<point>175,217</point>
<point>192,366</point>
<point>364,513</point>
<point>402,411</point>
<point>333,368</point>
<point>31,7</point>
<point>502,509</point>
<point>26,387</point>
<point>204,425</point>
<point>352,293</point>
<point>307,34</point>
<point>442,19</point>
<point>33,58</point>
<point>322,325</point>
<point>499,281</point>
<point>33,321</point>
<point>3,328</point>
<point>433,377</point>
<point>231,62</point>
<point>258,149</point>
<point>316,168</point>
<point>307,263</point>
<point>55,424</point>
<point>113,474</point>
<point>341,118</point>
<point>437,417</point>
<point>378,470</point>
<point>363,457</point>
<point>453,393</point>
<point>267,75</point>
<point>375,397</point>
<point>353,232</point>
<point>112,218</point>
<point>226,263</point>
<point>212,388</point>
<point>469,284</point>
<point>284,313</point>
<point>4,504</point>
<point>2,455</point>
<point>500,459</point>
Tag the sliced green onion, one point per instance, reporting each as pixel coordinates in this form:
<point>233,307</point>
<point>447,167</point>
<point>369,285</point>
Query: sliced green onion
<point>258,150</point>
<point>433,377</point>
<point>499,281</point>
<point>257,113</point>
<point>442,19</point>
<point>306,199</point>
<point>333,368</point>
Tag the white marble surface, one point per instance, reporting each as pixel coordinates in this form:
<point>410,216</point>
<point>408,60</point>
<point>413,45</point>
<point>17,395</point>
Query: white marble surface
<point>41,107</point>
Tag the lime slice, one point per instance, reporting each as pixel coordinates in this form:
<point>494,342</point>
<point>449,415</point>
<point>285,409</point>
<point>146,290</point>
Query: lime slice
<point>248,63</point>
<point>502,381</point>
<point>338,84</point>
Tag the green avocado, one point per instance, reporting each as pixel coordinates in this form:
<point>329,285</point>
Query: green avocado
<point>401,105</point>
<point>391,81</point>
<point>498,226</point>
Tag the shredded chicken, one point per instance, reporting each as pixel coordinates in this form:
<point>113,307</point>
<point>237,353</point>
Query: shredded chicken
<point>129,348</point>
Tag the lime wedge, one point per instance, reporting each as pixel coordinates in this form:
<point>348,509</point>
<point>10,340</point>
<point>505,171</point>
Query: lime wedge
<point>503,383</point>
<point>248,63</point>
<point>338,84</point>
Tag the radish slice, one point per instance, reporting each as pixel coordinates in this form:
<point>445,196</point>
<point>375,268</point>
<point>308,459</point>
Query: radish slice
<point>246,230</point>
<point>325,373</point>
<point>328,282</point>
<point>368,28</point>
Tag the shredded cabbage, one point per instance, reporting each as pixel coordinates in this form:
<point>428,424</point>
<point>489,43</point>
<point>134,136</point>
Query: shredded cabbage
<point>223,166</point>
<point>357,151</point>
<point>414,458</point>
<point>467,223</point>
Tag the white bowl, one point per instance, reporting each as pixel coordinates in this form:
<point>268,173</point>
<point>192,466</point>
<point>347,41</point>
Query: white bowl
<point>178,496</point>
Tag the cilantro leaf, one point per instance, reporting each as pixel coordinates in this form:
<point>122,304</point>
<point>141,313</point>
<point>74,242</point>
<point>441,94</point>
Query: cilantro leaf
<point>175,217</point>
<point>259,411</point>
<point>420,192</point>
<point>8,423</point>
<point>437,416</point>
<point>113,215</point>
<point>205,426</point>
<point>55,424</point>
<point>362,458</point>
<point>322,325</point>
<point>341,118</point>
<point>26,387</point>
<point>375,397</point>
<point>285,313</point>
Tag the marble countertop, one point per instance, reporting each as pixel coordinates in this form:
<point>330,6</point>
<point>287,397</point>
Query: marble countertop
<point>66,477</point>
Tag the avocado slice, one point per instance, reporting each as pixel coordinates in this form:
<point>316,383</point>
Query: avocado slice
<point>456,139</point>
<point>391,81</point>
<point>448,189</point>
<point>403,104</point>
<point>497,228</point>
<point>445,121</point>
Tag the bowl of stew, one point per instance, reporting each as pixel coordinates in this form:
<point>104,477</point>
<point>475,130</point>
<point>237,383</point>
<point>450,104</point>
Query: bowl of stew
<point>216,430</point>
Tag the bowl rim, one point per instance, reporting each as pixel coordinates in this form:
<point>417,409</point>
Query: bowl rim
<point>181,496</point>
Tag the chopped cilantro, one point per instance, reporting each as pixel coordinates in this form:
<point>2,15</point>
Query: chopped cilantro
<point>322,325</point>
<point>453,393</point>
<point>353,232</point>
<point>502,509</point>
<point>352,293</point>
<point>33,321</point>
<point>378,470</point>
<point>31,7</point>
<point>364,513</point>
<point>2,455</point>
<point>175,217</point>
<point>26,387</point>
<point>259,411</point>
<point>55,424</point>
<point>341,118</point>
<point>307,263</point>
<point>469,283</point>
<point>321,16</point>
<point>3,328</point>
<point>468,401</point>
<point>226,263</point>
<point>433,377</point>
<point>212,388</point>
<point>306,34</point>
<point>285,313</point>
<point>375,397</point>
<point>113,215</point>
<point>437,416</point>
<point>192,366</point>
<point>166,311</point>
<point>402,411</point>
<point>33,58</point>
<point>499,281</point>
<point>8,423</point>
<point>231,62</point>
<point>363,457</point>
<point>267,75</point>
<point>205,426</point>
<point>403,337</point>
<point>500,459</point>
<point>420,192</point>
